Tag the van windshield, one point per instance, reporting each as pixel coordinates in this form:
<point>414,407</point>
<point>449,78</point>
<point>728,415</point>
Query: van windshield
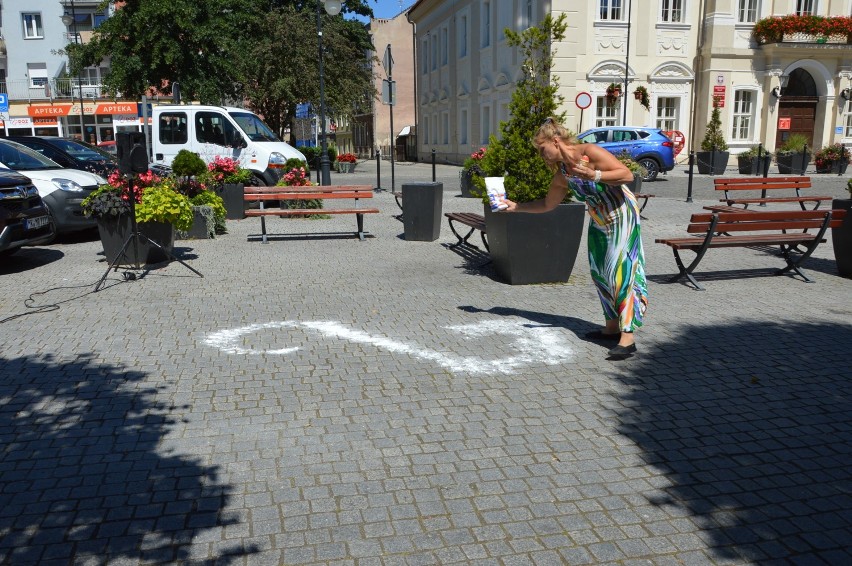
<point>253,126</point>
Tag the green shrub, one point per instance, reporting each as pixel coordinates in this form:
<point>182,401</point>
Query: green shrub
<point>215,202</point>
<point>796,143</point>
<point>105,201</point>
<point>634,166</point>
<point>188,164</point>
<point>713,136</point>
<point>162,203</point>
<point>754,151</point>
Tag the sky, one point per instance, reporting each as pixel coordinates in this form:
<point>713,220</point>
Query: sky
<point>386,9</point>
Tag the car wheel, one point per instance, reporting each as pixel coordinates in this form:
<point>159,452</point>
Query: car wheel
<point>652,167</point>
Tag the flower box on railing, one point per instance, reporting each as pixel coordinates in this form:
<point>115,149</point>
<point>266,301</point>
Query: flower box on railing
<point>803,29</point>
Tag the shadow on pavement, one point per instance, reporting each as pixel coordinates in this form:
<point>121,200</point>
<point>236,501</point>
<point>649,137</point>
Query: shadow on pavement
<point>81,477</point>
<point>25,259</point>
<point>750,424</point>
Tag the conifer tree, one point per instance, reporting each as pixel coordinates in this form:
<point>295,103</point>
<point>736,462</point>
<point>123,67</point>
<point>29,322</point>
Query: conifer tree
<point>713,136</point>
<point>534,100</point>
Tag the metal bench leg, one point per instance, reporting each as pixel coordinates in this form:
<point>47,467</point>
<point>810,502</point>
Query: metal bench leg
<point>399,204</point>
<point>360,226</point>
<point>263,226</point>
<point>644,205</point>
<point>794,265</point>
<point>686,271</point>
<point>462,240</point>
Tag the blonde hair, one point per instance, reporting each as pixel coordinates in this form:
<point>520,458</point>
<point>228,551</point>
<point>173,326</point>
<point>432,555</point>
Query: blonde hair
<point>547,131</point>
<point>552,128</point>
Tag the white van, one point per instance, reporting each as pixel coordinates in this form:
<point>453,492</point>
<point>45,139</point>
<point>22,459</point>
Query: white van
<point>220,131</point>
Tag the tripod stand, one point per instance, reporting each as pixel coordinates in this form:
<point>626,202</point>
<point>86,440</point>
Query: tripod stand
<point>134,237</point>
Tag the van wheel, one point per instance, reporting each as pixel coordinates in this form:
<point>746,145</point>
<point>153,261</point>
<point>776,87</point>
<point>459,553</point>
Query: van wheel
<point>257,181</point>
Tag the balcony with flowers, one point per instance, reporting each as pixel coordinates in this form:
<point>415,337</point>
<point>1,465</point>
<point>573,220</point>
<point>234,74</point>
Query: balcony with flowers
<point>804,31</point>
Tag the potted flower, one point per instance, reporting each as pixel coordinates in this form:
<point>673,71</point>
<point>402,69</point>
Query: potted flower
<point>470,168</point>
<point>641,94</point>
<point>713,159</point>
<point>530,248</point>
<point>228,180</point>
<point>110,206</point>
<point>754,161</point>
<point>841,238</point>
<point>613,91</point>
<point>639,172</point>
<point>162,210</point>
<point>298,176</point>
<point>793,156</point>
<point>773,29</point>
<point>833,158</point>
<point>346,162</point>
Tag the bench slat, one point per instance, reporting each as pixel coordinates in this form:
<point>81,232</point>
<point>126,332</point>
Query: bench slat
<point>306,196</point>
<point>739,241</point>
<point>325,188</point>
<point>773,199</point>
<point>760,183</point>
<point>307,211</point>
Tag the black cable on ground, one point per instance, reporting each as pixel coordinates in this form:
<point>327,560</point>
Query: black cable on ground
<point>37,309</point>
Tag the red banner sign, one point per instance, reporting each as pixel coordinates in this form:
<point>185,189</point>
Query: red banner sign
<point>784,123</point>
<point>116,108</point>
<point>44,111</point>
<point>719,96</point>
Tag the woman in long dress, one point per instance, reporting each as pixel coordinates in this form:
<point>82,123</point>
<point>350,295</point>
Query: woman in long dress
<point>596,177</point>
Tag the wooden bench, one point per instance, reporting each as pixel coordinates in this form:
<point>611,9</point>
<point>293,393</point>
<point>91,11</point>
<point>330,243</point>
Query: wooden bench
<point>262,195</point>
<point>747,228</point>
<point>645,196</point>
<point>473,221</point>
<point>763,184</point>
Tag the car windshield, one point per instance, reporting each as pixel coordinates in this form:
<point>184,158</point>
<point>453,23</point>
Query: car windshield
<point>253,126</point>
<point>102,152</point>
<point>21,158</point>
<point>81,152</point>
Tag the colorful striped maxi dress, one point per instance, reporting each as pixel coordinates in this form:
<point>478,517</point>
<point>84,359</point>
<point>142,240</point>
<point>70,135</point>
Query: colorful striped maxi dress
<point>616,257</point>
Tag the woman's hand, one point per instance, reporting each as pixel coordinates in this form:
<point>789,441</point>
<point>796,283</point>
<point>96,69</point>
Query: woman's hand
<point>583,170</point>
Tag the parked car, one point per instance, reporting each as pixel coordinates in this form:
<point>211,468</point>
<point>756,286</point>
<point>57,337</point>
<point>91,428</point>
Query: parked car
<point>61,189</point>
<point>650,147</point>
<point>108,146</point>
<point>71,153</point>
<point>24,220</point>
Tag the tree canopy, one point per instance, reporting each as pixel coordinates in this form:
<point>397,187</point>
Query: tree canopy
<point>261,51</point>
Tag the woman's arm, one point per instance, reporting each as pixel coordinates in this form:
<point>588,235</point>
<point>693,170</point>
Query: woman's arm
<point>613,171</point>
<point>555,194</point>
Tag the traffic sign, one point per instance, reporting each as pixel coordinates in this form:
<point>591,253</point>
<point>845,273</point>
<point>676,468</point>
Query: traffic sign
<point>387,61</point>
<point>4,102</point>
<point>388,92</point>
<point>583,100</point>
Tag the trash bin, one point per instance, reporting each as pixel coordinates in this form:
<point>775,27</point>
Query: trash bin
<point>421,211</point>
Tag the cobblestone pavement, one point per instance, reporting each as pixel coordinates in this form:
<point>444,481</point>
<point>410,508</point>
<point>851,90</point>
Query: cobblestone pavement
<point>321,400</point>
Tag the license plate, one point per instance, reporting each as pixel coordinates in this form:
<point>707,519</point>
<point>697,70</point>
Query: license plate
<point>36,223</point>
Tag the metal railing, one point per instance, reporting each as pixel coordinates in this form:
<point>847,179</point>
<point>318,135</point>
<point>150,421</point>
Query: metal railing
<point>52,89</point>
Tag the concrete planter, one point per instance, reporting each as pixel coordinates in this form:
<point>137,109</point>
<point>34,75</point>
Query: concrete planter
<point>535,248</point>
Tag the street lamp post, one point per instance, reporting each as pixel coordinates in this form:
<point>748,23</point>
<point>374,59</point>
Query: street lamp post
<point>333,8</point>
<point>71,21</point>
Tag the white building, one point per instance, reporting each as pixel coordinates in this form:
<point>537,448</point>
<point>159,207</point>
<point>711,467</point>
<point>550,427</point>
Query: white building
<point>685,53</point>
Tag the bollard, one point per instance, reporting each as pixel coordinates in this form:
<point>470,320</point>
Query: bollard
<point>713,161</point>
<point>760,164</point>
<point>378,169</point>
<point>433,165</point>
<point>689,177</point>
<point>804,158</point>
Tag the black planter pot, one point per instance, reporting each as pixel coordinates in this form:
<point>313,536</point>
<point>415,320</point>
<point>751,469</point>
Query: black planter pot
<point>466,184</point>
<point>841,238</point>
<point>834,167</point>
<point>203,225</point>
<point>793,163</point>
<point>636,185</point>
<point>115,230</point>
<point>754,166</point>
<point>535,248</point>
<point>712,162</point>
<point>233,196</point>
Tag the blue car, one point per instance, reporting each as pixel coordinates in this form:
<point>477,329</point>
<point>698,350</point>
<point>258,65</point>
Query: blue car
<point>650,147</point>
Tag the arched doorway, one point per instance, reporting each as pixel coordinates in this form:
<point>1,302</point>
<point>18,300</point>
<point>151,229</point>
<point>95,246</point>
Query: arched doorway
<point>797,108</point>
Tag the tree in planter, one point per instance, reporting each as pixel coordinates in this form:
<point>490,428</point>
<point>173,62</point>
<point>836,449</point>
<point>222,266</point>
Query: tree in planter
<point>714,155</point>
<point>714,139</point>
<point>534,100</point>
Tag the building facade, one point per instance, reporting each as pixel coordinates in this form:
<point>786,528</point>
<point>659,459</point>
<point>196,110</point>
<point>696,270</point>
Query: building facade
<point>43,97</point>
<point>687,54</point>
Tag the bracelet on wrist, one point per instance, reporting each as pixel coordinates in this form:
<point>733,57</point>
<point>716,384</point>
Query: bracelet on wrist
<point>597,175</point>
